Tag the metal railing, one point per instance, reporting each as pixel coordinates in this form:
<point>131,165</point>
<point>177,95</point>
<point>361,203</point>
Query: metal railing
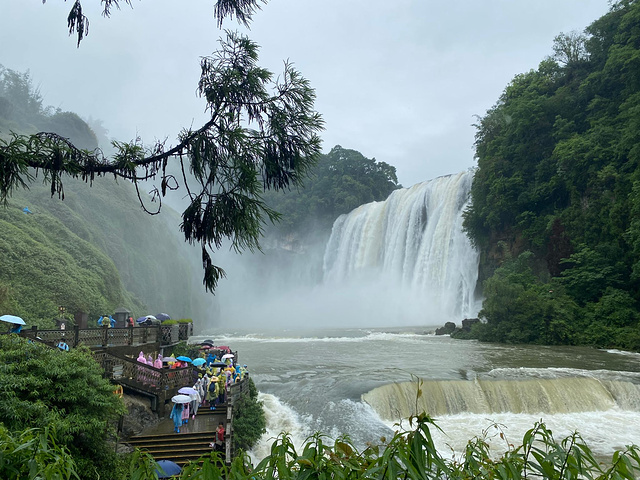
<point>113,337</point>
<point>162,383</point>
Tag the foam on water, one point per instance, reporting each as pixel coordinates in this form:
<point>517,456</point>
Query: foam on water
<point>602,432</point>
<point>280,418</point>
<point>359,338</point>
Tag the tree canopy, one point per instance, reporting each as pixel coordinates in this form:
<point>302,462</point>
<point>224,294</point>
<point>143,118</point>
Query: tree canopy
<point>342,180</point>
<point>262,134</point>
<point>558,175</point>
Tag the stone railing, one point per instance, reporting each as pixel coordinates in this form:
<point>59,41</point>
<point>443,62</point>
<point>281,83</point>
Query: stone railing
<point>236,390</point>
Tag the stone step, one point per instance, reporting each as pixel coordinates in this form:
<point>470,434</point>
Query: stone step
<point>174,437</point>
<point>173,443</point>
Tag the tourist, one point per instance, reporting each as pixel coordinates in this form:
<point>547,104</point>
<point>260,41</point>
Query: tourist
<point>218,445</point>
<point>221,392</point>
<point>157,363</point>
<point>195,402</point>
<point>176,416</point>
<point>213,393</point>
<point>15,328</point>
<point>185,413</point>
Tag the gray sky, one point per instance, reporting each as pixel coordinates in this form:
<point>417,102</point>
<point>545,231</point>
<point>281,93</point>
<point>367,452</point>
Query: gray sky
<point>398,80</point>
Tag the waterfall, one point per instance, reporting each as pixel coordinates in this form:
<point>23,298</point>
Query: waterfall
<point>411,245</point>
<point>541,395</point>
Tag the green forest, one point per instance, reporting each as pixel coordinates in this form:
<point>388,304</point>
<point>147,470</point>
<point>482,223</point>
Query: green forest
<point>556,195</point>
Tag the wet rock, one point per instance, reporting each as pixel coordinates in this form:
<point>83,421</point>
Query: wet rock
<point>467,323</point>
<point>140,416</point>
<point>448,328</point>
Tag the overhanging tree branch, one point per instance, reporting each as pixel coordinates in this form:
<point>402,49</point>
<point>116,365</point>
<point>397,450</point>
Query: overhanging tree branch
<point>262,134</point>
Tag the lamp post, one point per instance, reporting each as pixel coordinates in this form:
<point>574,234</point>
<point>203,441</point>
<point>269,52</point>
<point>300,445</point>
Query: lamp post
<point>61,311</point>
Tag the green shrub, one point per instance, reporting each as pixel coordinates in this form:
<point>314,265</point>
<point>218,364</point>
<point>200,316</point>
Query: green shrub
<point>66,392</point>
<point>249,422</point>
<point>170,322</point>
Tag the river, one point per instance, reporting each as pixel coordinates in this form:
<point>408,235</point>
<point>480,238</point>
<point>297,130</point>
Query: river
<point>362,382</point>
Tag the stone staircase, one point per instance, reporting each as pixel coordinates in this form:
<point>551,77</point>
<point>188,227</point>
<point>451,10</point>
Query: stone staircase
<point>185,446</point>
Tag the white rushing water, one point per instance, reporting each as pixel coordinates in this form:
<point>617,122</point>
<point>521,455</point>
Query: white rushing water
<point>411,246</point>
<point>361,382</point>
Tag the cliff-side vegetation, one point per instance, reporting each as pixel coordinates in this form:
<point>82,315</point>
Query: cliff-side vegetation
<point>558,176</point>
<point>94,251</point>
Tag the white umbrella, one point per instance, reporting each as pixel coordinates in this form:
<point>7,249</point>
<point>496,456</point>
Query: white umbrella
<point>187,391</point>
<point>227,355</point>
<point>12,319</point>
<point>181,399</point>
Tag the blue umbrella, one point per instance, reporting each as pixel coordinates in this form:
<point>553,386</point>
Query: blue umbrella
<point>198,361</point>
<point>167,468</point>
<point>182,358</point>
<point>12,319</point>
<point>163,316</point>
<point>141,319</point>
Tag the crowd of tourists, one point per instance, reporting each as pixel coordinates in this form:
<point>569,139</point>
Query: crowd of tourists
<point>215,377</point>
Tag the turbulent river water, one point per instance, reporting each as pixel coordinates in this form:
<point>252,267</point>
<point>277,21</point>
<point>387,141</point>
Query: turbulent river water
<point>362,382</point>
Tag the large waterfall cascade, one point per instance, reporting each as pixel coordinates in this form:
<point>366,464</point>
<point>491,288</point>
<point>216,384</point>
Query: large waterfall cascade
<point>411,242</point>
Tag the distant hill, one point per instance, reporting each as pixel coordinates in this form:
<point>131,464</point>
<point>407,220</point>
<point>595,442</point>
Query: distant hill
<point>94,251</point>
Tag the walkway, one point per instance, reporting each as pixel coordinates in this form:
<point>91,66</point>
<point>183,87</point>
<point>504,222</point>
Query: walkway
<point>190,444</point>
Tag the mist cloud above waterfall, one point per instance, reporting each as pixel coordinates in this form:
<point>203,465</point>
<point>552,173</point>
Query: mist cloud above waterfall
<point>400,81</point>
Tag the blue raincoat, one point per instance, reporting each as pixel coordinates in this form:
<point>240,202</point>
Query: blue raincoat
<point>176,415</point>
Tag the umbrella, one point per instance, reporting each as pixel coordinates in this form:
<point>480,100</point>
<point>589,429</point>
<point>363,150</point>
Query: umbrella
<point>12,319</point>
<point>141,319</point>
<point>167,468</point>
<point>198,361</point>
<point>63,346</point>
<point>227,355</point>
<point>182,358</point>
<point>162,317</point>
<point>169,360</point>
<point>218,364</point>
<point>181,398</point>
<point>207,342</point>
<point>206,347</point>
<point>187,391</point>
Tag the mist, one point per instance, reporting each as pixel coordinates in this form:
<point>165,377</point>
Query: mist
<point>399,263</point>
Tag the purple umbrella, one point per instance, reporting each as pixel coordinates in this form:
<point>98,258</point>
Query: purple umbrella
<point>187,391</point>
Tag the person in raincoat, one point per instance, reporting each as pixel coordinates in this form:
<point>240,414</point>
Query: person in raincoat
<point>176,416</point>
<point>140,377</point>
<point>158,361</point>
<point>185,413</point>
<point>212,393</point>
<point>195,403</point>
<point>221,387</point>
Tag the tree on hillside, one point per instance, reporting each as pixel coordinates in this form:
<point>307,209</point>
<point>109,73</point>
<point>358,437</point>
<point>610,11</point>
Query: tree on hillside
<point>342,180</point>
<point>263,134</point>
<point>558,175</point>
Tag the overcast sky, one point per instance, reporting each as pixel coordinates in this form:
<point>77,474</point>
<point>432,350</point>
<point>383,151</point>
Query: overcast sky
<point>398,80</point>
